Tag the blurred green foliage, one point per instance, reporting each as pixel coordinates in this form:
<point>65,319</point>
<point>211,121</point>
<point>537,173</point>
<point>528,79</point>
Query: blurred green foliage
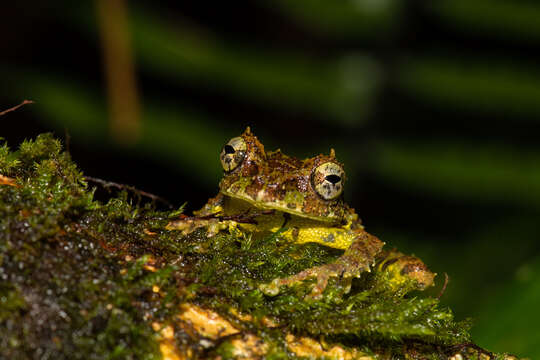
<point>433,100</point>
<point>459,170</point>
<point>512,19</point>
<point>474,85</point>
<point>341,88</point>
<point>513,326</point>
<point>345,19</point>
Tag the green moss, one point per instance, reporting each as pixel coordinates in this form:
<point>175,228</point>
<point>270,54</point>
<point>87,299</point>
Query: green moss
<point>10,300</point>
<point>82,279</point>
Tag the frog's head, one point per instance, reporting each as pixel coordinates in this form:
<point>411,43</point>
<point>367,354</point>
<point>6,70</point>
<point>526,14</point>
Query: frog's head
<point>311,188</point>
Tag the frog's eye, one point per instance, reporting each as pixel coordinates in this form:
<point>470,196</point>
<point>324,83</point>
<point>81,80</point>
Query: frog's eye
<point>327,180</point>
<point>233,153</point>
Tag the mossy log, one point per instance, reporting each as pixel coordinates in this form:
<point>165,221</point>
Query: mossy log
<point>86,279</point>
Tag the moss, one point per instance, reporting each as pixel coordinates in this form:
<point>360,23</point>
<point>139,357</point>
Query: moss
<point>83,279</point>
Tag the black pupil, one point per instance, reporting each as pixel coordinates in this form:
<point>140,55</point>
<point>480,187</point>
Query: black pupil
<point>334,179</point>
<point>228,149</point>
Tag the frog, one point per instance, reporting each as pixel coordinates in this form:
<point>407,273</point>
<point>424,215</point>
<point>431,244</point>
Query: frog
<point>269,192</point>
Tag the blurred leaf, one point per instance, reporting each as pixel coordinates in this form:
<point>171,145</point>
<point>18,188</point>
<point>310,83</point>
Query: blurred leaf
<point>485,262</point>
<point>510,19</point>
<point>67,106</point>
<point>343,88</point>
<point>490,173</point>
<point>511,318</point>
<point>366,18</point>
<point>188,140</point>
<point>480,85</point>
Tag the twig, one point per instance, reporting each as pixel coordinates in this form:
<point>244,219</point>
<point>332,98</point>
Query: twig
<point>16,107</point>
<point>443,287</point>
<point>109,184</point>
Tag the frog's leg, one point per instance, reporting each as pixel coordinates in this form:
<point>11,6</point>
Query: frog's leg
<point>359,257</point>
<point>211,217</point>
<point>206,217</point>
<point>363,253</point>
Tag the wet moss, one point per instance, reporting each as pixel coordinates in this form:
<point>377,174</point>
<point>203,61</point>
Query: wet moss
<point>85,279</point>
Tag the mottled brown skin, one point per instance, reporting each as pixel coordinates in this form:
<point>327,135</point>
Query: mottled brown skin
<point>265,192</point>
<point>277,175</point>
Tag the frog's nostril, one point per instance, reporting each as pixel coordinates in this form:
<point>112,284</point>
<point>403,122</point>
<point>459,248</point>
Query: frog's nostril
<point>228,149</point>
<point>334,179</point>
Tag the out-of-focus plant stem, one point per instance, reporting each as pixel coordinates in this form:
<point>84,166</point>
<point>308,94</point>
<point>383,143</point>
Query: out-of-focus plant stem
<point>119,70</point>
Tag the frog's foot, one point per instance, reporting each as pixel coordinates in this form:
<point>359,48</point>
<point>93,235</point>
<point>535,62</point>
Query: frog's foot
<point>188,224</point>
<point>401,268</point>
<point>358,258</point>
<point>322,273</point>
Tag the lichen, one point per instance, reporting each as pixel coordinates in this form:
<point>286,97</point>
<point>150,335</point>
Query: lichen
<point>86,279</point>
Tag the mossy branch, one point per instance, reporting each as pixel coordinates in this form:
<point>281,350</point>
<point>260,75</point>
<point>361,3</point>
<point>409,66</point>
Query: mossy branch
<point>84,279</point>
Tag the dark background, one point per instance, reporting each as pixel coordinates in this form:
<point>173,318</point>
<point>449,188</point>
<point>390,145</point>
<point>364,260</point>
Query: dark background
<point>434,107</point>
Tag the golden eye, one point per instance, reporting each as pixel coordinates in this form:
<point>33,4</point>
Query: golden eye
<point>233,153</point>
<point>327,180</point>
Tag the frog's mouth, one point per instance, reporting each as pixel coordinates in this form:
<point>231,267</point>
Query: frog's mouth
<point>283,206</point>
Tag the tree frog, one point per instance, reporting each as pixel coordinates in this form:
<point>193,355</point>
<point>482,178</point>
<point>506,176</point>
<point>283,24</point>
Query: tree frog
<point>268,191</point>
